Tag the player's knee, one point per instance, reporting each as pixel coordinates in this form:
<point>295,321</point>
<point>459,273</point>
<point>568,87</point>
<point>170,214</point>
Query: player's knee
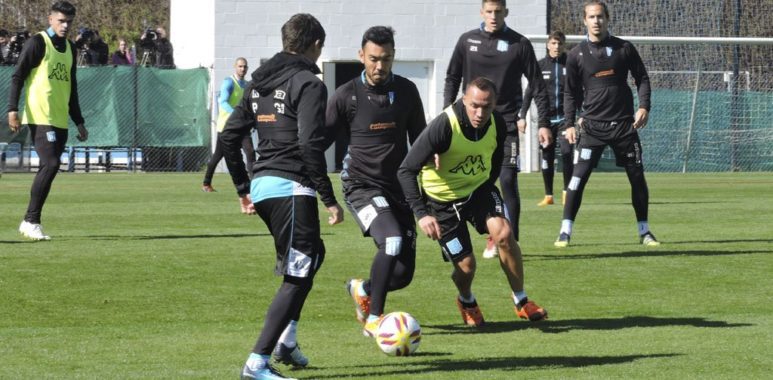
<point>466,266</point>
<point>401,277</point>
<point>293,285</point>
<point>499,229</point>
<point>51,163</point>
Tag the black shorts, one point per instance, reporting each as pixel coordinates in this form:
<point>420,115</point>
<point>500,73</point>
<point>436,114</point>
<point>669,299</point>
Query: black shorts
<point>49,141</point>
<point>294,224</point>
<point>594,136</point>
<point>368,202</point>
<point>483,204</point>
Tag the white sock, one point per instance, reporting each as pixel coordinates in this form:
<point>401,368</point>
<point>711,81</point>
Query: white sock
<point>288,336</point>
<point>256,361</point>
<point>518,297</point>
<point>361,290</point>
<point>372,317</point>
<point>566,226</point>
<point>644,227</point>
<point>467,300</point>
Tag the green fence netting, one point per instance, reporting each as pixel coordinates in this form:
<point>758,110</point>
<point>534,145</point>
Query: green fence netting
<point>159,117</point>
<point>137,106</point>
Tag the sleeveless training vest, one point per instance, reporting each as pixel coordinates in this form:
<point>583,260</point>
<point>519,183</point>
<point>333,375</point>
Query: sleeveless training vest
<point>233,100</point>
<point>463,167</point>
<point>47,88</point>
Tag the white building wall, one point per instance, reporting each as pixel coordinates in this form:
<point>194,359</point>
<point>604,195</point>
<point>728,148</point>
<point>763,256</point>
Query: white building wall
<point>426,30</point>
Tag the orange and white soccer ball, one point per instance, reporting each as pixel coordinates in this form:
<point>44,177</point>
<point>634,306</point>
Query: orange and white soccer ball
<point>398,334</point>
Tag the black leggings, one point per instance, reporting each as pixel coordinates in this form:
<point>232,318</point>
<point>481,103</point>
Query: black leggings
<point>286,306</point>
<point>49,145</point>
<point>217,155</point>
<point>582,171</point>
<point>548,164</point>
<point>508,179</point>
<point>394,263</point>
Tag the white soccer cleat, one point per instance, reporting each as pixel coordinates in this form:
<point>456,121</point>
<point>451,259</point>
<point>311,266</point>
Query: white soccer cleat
<point>32,231</point>
<point>491,250</point>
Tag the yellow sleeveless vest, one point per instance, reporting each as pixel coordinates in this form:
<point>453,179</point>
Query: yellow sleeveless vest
<point>233,100</point>
<point>463,167</point>
<point>47,88</point>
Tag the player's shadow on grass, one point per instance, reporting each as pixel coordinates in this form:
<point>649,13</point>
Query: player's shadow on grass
<point>424,367</point>
<point>173,237</point>
<point>566,325</point>
<point>488,328</point>
<point>727,241</point>
<point>655,252</point>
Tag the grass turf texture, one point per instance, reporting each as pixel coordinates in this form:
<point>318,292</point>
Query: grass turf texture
<point>148,277</point>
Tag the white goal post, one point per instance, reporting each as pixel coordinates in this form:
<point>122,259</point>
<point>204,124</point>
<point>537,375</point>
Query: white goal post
<point>530,146</point>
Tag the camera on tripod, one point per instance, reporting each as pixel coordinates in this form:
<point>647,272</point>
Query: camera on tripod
<point>86,34</point>
<point>17,43</point>
<point>149,38</point>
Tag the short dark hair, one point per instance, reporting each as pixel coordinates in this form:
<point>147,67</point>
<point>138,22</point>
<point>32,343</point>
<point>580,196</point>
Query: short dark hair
<point>379,35</point>
<point>557,35</point>
<point>300,32</point>
<point>63,7</point>
<point>4,33</point>
<point>503,2</point>
<point>595,2</point>
<point>484,84</point>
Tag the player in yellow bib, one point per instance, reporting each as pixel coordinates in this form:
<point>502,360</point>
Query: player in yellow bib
<point>46,72</point>
<point>468,139</point>
<point>231,93</point>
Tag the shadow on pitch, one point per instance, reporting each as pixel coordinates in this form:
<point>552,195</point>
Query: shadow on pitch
<point>173,237</point>
<point>488,328</point>
<point>728,241</point>
<point>566,325</point>
<point>424,367</point>
<point>653,252</point>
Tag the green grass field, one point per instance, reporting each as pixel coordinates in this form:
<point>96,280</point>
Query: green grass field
<point>149,278</point>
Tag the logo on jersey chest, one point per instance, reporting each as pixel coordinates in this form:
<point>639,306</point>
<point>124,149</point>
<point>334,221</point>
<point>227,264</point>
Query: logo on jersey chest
<point>472,165</point>
<point>382,126</point>
<point>59,73</point>
<point>266,118</point>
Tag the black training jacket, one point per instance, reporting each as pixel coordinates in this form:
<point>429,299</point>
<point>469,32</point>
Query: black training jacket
<point>285,102</point>
<point>597,81</point>
<point>503,56</point>
<point>554,74</point>
<point>380,121</point>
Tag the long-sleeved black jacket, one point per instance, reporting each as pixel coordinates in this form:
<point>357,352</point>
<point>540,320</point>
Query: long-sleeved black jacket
<point>503,56</point>
<point>380,121</point>
<point>597,81</point>
<point>554,73</point>
<point>285,101</point>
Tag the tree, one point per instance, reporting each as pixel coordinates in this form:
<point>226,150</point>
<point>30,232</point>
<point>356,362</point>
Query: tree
<point>114,19</point>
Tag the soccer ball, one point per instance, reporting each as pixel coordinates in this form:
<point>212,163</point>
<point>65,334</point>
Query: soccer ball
<point>398,334</point>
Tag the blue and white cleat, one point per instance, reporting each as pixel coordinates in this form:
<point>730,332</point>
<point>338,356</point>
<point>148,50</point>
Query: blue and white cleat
<point>266,372</point>
<point>290,355</point>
